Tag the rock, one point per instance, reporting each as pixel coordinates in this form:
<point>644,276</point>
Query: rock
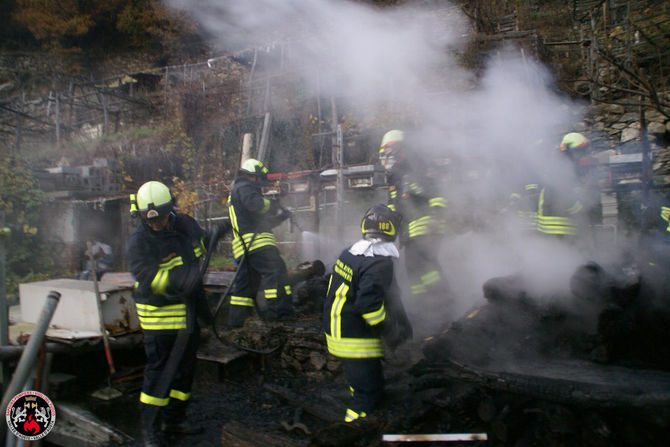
<point>656,127</point>
<point>613,108</point>
<point>629,117</point>
<point>629,134</point>
<point>317,360</point>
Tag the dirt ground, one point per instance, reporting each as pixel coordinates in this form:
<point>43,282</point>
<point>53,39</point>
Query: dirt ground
<point>241,399</point>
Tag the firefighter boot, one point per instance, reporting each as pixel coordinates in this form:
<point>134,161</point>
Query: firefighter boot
<point>150,433</point>
<point>237,315</point>
<point>174,420</point>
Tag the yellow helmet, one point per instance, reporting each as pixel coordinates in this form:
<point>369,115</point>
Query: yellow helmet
<point>153,199</point>
<point>251,166</point>
<point>573,141</point>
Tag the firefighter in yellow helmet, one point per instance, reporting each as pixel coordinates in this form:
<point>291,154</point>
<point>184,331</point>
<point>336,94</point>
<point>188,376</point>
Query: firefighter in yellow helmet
<point>565,210</point>
<point>164,256</point>
<point>412,194</point>
<point>261,267</point>
<point>363,308</point>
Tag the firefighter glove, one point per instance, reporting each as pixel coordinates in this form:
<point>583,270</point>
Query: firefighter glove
<point>219,231</point>
<point>183,280</point>
<point>394,334</point>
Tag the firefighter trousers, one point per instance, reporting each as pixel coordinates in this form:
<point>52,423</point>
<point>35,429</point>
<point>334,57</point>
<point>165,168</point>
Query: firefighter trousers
<point>261,272</point>
<point>366,383</point>
<point>173,401</point>
<point>426,278</point>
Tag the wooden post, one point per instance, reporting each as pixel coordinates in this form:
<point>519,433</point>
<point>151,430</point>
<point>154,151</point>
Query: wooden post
<point>58,120</point>
<point>646,163</point>
<point>247,144</point>
<point>71,108</point>
<point>105,115</point>
<point>251,77</point>
<point>19,122</point>
<point>263,154</point>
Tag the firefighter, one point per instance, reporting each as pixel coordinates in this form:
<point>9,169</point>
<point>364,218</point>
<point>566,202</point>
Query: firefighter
<point>563,211</point>
<point>363,306</point>
<point>578,149</point>
<point>261,268</point>
<point>422,212</point>
<point>163,256</point>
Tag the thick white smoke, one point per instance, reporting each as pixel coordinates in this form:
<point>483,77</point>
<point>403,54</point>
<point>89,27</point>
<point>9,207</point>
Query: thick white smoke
<point>501,125</point>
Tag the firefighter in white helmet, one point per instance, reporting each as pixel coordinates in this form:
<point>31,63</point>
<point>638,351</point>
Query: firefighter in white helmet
<point>261,267</point>
<point>422,209</point>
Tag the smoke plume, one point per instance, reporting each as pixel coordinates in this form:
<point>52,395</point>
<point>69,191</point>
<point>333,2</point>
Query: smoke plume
<point>489,131</point>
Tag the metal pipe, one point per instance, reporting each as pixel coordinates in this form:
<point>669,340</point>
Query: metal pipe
<point>4,311</point>
<point>30,353</point>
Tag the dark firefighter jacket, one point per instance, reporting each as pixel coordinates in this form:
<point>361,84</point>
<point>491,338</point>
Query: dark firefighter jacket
<point>550,211</point>
<point>355,305</point>
<point>248,211</point>
<point>421,208</point>
<point>159,261</point>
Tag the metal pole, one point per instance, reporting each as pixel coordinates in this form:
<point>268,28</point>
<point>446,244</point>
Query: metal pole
<point>27,360</point>
<point>101,318</point>
<point>340,181</point>
<point>4,314</point>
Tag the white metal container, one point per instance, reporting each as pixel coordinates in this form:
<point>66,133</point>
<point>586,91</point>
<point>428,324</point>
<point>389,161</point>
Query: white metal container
<point>76,315</point>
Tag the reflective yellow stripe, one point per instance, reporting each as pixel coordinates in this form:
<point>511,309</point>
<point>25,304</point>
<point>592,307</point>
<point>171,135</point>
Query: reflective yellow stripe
<point>330,281</point>
<point>529,219</point>
<point>351,415</point>
<point>415,188</point>
<point>233,217</point>
<point>391,206</point>
<point>419,226</point>
<point>575,208</point>
<point>287,289</point>
<point>156,401</point>
<point>161,280</point>
<point>158,318</point>
<point>270,293</point>
<point>430,278</point>
<point>266,206</point>
<point>665,215</point>
<point>376,317</point>
<point>558,225</point>
<point>418,289</point>
<point>241,301</point>
<point>176,394</point>
<point>336,310</point>
<point>152,311</point>
<point>440,202</point>
<point>355,348</point>
<point>260,240</point>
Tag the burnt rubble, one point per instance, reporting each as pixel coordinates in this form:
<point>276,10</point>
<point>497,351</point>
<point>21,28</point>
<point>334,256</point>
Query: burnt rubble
<point>522,369</point>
